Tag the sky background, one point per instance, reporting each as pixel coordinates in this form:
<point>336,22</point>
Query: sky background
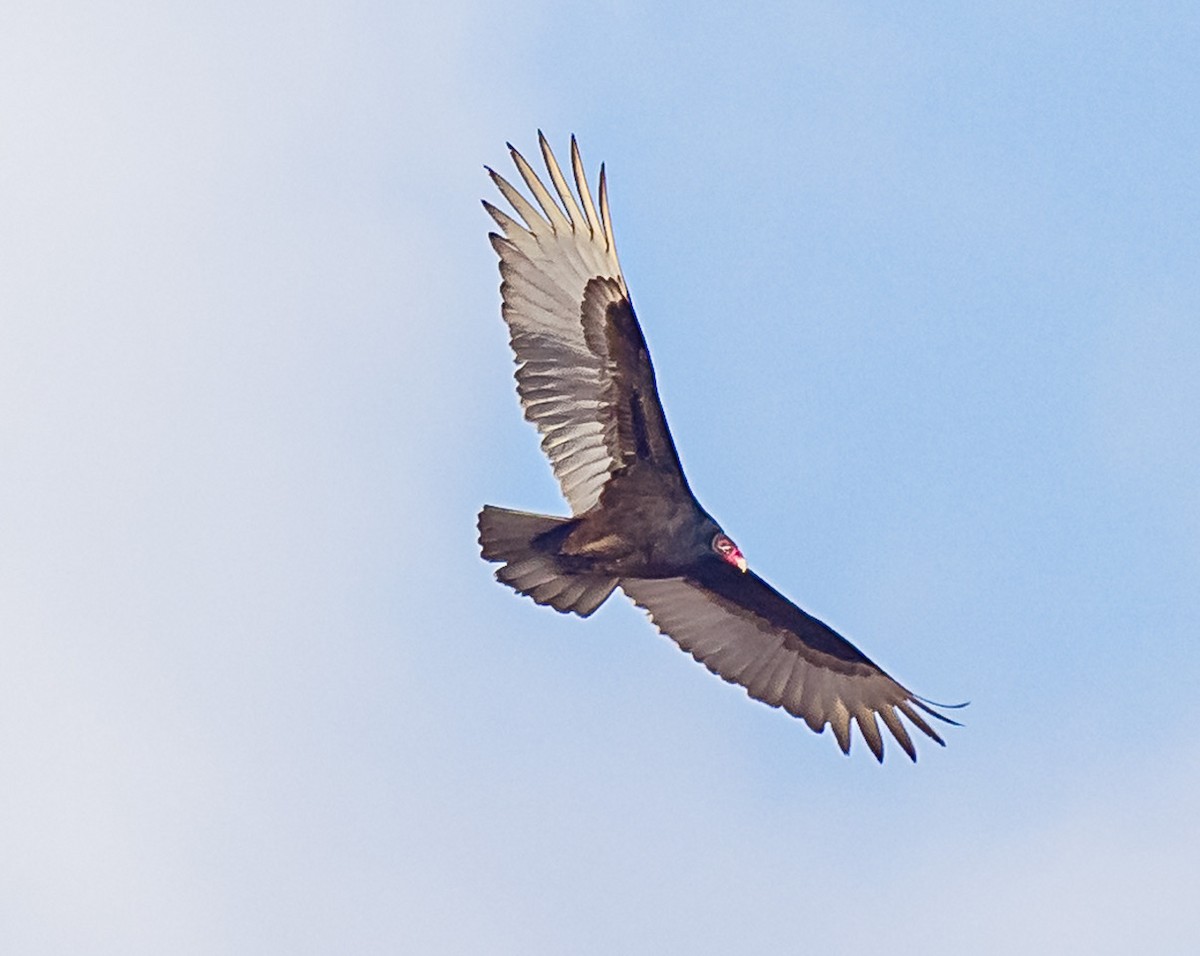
<point>921,287</point>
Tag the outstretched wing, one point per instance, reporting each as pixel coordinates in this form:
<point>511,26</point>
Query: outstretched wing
<point>583,372</point>
<point>746,632</point>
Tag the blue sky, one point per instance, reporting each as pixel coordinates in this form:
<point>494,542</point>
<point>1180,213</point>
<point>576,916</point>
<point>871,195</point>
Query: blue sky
<point>922,294</point>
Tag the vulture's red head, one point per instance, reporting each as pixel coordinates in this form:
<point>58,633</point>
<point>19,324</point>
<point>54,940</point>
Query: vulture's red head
<point>728,551</point>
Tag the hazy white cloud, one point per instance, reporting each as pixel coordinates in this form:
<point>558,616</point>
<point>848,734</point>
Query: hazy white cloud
<point>223,308</point>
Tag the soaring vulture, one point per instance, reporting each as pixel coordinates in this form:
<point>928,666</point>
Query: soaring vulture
<point>586,383</point>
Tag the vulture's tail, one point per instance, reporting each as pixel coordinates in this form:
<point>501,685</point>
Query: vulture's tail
<point>526,545</point>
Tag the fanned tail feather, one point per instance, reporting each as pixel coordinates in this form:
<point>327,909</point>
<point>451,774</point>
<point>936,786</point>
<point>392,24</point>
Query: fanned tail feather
<point>513,537</point>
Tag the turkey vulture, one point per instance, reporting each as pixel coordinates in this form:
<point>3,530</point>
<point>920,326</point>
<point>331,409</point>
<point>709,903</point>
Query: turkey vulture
<point>585,381</point>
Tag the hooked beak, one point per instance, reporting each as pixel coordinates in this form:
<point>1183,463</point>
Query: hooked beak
<point>729,552</point>
<point>737,559</point>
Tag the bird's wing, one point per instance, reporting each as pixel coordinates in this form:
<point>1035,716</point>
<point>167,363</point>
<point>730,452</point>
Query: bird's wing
<point>583,372</point>
<point>747,633</point>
